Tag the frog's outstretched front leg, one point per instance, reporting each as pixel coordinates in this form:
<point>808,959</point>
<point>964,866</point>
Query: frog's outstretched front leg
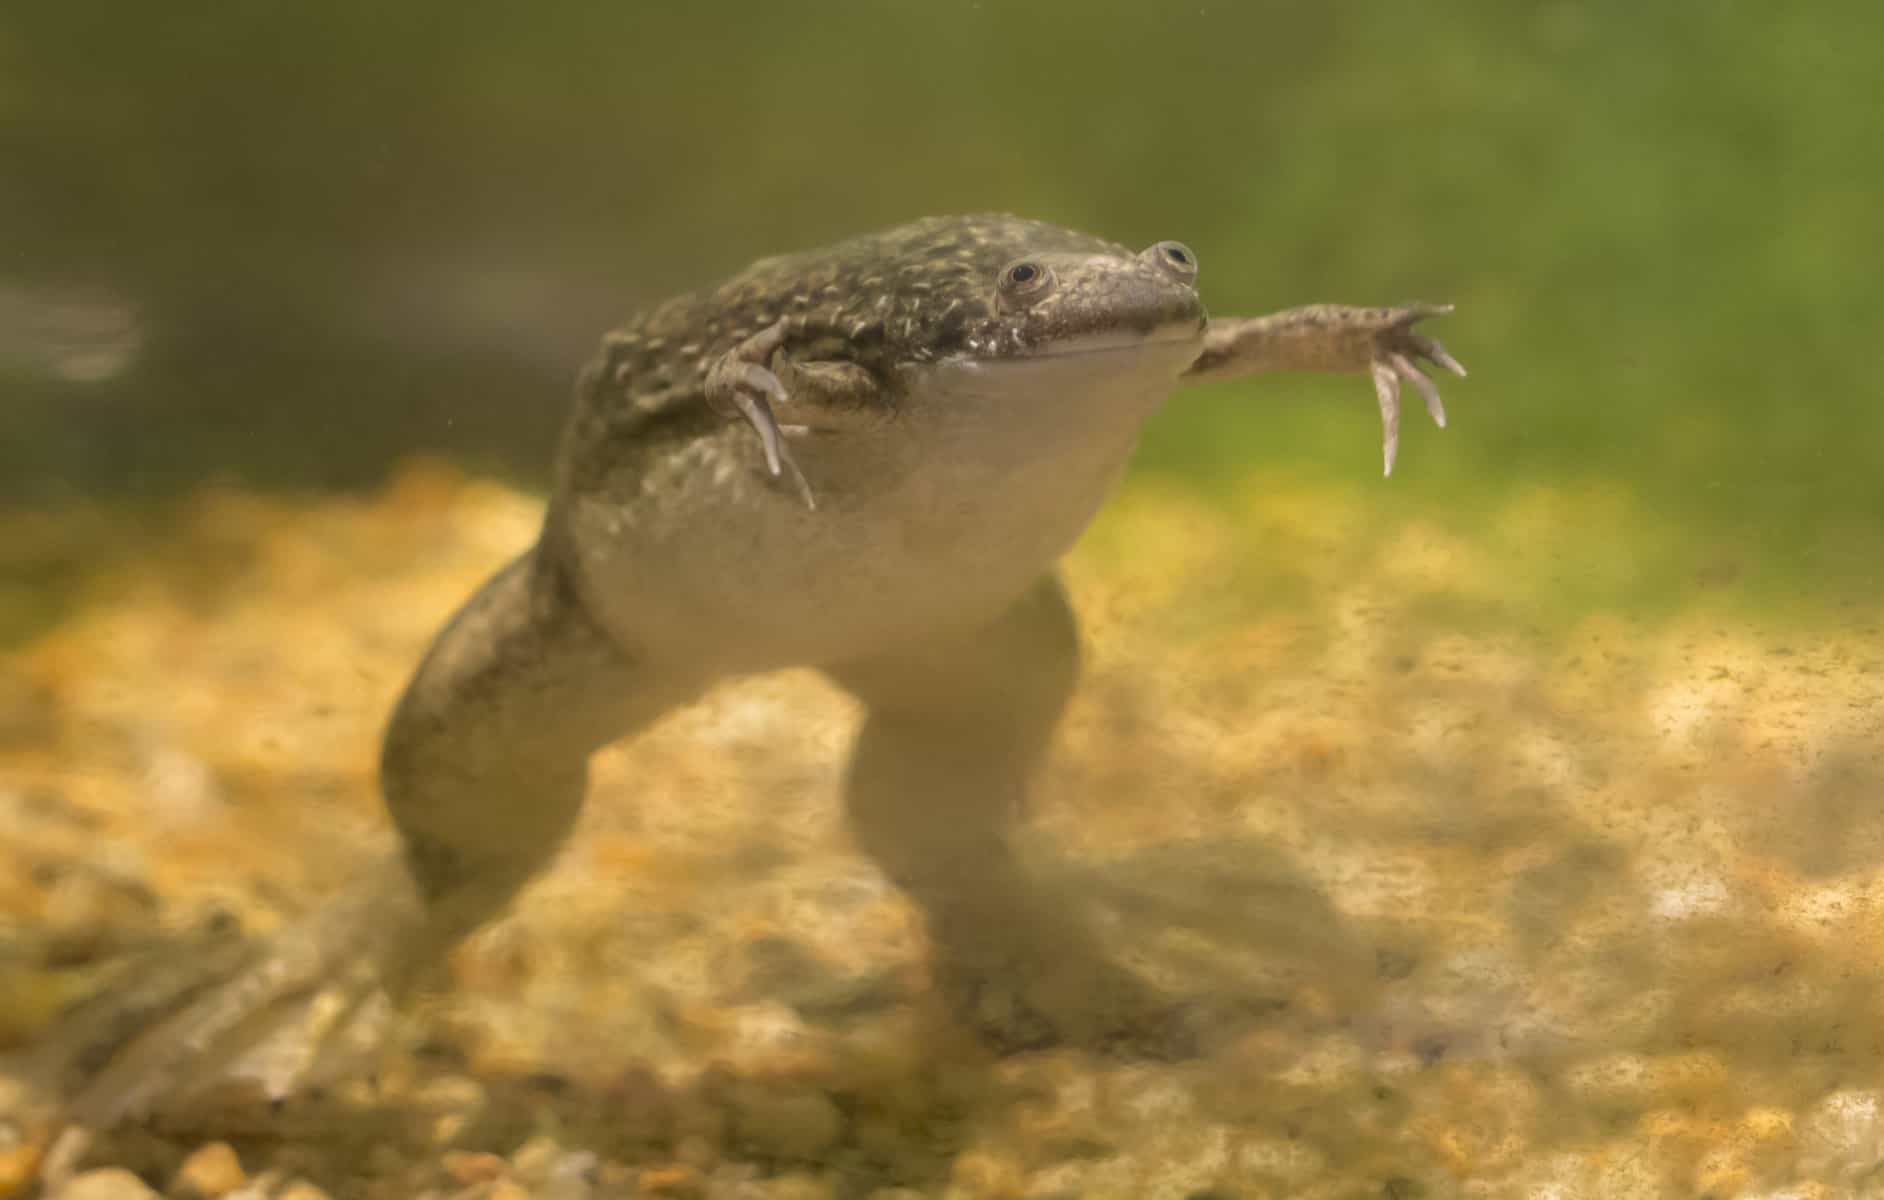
<point>957,726</point>
<point>483,768</point>
<point>1335,337</point>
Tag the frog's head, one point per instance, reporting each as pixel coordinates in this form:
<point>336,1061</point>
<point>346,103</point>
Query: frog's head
<point>997,288</point>
<point>1059,302</point>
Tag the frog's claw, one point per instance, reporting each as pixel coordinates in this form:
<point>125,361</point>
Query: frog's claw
<point>1396,352</point>
<point>740,384</point>
<point>1334,337</point>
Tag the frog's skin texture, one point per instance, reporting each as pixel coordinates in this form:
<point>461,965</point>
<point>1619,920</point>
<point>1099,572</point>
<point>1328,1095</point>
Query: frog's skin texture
<point>864,459</point>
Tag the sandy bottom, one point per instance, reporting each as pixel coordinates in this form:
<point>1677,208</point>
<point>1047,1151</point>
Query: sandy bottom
<point>1588,910</point>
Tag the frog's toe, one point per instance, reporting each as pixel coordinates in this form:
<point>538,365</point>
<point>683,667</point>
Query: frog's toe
<point>236,1018</point>
<point>229,1038</point>
<point>740,384</point>
<point>1397,354</point>
<point>735,387</point>
<point>1387,391</point>
<point>1404,368</point>
<point>1398,337</point>
<point>1429,348</point>
<point>263,1031</point>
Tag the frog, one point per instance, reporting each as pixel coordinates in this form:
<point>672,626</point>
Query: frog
<point>866,459</point>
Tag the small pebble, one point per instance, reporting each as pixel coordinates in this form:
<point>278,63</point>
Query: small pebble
<point>107,1183</point>
<point>531,1161</point>
<point>473,1166</point>
<point>577,1166</point>
<point>449,1093</point>
<point>17,1166</point>
<point>671,1179</point>
<point>986,1173</point>
<point>261,1187</point>
<point>211,1170</point>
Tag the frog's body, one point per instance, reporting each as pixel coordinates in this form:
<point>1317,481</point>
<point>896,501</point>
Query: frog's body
<point>699,553</point>
<point>975,448</point>
<point>931,416</point>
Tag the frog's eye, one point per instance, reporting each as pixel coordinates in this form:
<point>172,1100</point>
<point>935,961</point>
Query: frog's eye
<point>1176,258</point>
<point>1025,280</point>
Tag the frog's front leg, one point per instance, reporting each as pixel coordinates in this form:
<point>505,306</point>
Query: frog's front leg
<point>760,380</point>
<point>483,770</point>
<point>1335,337</point>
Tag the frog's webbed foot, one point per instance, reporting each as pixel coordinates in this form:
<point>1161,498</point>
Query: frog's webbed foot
<point>740,384</point>
<point>268,1017</point>
<point>1397,351</point>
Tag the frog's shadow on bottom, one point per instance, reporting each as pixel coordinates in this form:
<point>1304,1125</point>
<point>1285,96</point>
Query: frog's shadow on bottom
<point>908,1069</point>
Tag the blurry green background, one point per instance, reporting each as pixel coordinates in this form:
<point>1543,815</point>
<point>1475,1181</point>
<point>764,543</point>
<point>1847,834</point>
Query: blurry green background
<point>288,243</point>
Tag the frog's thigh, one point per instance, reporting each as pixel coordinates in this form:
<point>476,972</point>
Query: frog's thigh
<point>485,760</point>
<point>955,728</point>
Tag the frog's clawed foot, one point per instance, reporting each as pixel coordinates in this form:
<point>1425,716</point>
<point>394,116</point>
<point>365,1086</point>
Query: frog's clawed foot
<point>740,384</point>
<point>1397,353</point>
<point>237,1022</point>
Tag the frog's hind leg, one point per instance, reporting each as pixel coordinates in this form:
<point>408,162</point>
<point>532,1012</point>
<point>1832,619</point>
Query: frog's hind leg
<point>957,726</point>
<point>483,769</point>
<point>485,761</point>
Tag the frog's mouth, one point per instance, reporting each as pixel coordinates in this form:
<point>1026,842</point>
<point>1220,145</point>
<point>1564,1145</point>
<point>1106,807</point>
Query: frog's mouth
<point>1129,369</point>
<point>1117,342</point>
<point>1168,348</point>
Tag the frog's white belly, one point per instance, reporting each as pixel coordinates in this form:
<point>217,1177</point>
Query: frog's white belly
<point>936,517</point>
